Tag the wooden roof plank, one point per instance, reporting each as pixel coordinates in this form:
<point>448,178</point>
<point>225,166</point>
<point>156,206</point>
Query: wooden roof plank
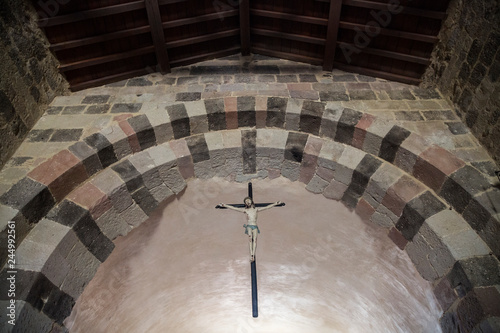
<point>245,26</point>
<point>154,18</point>
<point>332,33</point>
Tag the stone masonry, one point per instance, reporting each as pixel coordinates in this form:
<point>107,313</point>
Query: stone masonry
<point>100,161</point>
<point>466,67</point>
<point>29,77</point>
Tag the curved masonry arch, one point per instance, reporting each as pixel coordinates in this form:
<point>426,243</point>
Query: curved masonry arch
<point>435,206</point>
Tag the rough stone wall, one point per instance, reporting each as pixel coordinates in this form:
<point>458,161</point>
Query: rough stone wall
<point>466,67</point>
<point>29,79</point>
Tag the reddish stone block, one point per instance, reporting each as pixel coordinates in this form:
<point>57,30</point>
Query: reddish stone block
<point>122,117</point>
<point>313,146</point>
<point>61,173</point>
<point>434,165</point>
<point>273,173</point>
<point>326,174</point>
<point>397,238</point>
<point>308,168</point>
<point>133,141</point>
<point>401,193</point>
<point>261,118</point>
<point>231,107</point>
<point>364,210</point>
<point>360,130</point>
<point>91,198</point>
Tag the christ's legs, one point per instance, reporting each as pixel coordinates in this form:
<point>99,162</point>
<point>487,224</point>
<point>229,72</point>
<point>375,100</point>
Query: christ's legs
<point>255,232</point>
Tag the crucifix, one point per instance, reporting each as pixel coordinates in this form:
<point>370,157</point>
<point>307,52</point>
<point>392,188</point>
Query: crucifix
<point>252,230</point>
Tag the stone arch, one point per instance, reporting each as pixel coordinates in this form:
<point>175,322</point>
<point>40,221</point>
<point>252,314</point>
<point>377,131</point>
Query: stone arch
<point>99,188</point>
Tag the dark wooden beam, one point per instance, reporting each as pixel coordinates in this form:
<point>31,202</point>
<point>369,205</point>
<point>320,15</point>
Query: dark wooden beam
<point>390,54</point>
<point>376,73</point>
<point>332,32</point>
<point>101,38</point>
<point>393,33</point>
<point>284,55</point>
<point>201,18</point>
<point>203,38</point>
<point>205,56</point>
<point>405,10</point>
<point>105,59</point>
<point>284,35</point>
<point>154,18</point>
<point>91,14</point>
<point>290,17</point>
<point>245,26</point>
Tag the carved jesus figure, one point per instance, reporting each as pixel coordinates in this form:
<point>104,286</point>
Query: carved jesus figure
<point>251,228</point>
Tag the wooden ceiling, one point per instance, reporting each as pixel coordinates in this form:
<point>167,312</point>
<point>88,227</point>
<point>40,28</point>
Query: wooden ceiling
<point>101,41</point>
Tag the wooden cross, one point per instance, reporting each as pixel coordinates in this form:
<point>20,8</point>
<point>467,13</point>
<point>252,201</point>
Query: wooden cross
<point>253,269</point>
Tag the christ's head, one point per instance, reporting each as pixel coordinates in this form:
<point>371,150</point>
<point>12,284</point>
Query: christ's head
<point>248,202</point>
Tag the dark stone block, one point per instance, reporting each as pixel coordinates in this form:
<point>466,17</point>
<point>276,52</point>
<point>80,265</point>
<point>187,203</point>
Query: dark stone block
<point>88,156</point>
<point>35,93</point>
<point>487,168</point>
<point>350,200</point>
<point>477,75</point>
<point>40,135</point>
<point>248,143</point>
<point>455,195</point>
<point>246,111</point>
<point>52,110</point>
<point>32,198</point>
<point>336,96</point>
<point>222,70</point>
<point>32,287</point>
<point>464,73</point>
<point>126,108</point>
<point>139,82</point>
<point>216,121</point>
<point>145,200</point>
<point>288,78</point>
<point>67,213</point>
<point>295,145</point>
<point>471,180</point>
<point>98,109</point>
<point>179,120</point>
<point>457,128</point>
<point>144,131</point>
<point>346,124</point>
<point>96,99</point>
<point>391,143</point>
<point>66,135</point>
<point>416,211</point>
<point>449,322</point>
<point>244,78</point>
<point>400,94</point>
<point>364,78</point>
<point>75,109</point>
<point>344,78</point>
<point>91,236</point>
<point>465,99</point>
<point>246,103</point>
<point>264,69</point>
<point>362,95</point>
<point>408,115</point>
<point>310,117</point>
<point>58,306</point>
<point>188,96</point>
<point>475,272</point>
<point>439,115</point>
<point>216,114</point>
<point>307,78</point>
<point>198,148</point>
<point>276,112</point>
<point>365,169</point>
<point>266,78</point>
<point>104,148</point>
<point>490,48</point>
<point>474,51</point>
<point>19,160</point>
<point>129,174</point>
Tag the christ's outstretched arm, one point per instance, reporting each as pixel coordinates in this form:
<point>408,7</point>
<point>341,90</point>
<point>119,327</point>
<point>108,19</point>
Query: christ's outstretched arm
<point>241,210</point>
<point>269,206</point>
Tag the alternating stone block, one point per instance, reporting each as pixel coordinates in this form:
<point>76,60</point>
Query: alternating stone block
<point>91,198</point>
<point>391,142</point>
<point>347,162</point>
<point>120,141</point>
<point>88,156</point>
<point>292,118</point>
<point>310,117</point>
<point>61,173</point>
<point>113,186</point>
<point>145,165</point>
<point>184,158</point>
<point>246,111</point>
<point>404,190</point>
<point>346,125</point>
<point>276,112</point>
<point>434,165</point>
<point>105,150</point>
<point>179,120</point>
<point>144,131</point>
<point>216,114</point>
<point>329,121</point>
<point>197,114</point>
